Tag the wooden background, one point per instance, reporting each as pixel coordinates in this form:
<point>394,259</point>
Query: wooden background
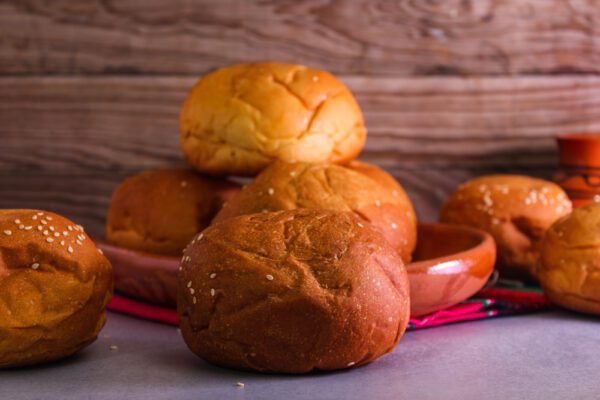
<point>90,90</point>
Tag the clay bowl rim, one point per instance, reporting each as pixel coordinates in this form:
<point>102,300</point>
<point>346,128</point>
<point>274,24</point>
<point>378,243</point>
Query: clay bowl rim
<point>483,239</point>
<point>103,243</point>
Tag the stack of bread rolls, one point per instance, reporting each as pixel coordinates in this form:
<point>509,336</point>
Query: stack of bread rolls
<point>303,268</point>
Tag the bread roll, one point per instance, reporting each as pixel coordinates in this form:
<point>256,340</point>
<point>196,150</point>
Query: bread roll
<point>364,189</point>
<point>238,119</point>
<point>570,267</point>
<point>292,291</point>
<point>159,211</point>
<point>54,287</point>
<point>515,210</point>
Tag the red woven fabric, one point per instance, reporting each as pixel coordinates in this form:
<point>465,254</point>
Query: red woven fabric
<point>488,303</point>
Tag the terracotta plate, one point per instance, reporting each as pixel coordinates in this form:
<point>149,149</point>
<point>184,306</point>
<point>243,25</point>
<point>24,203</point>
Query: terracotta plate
<point>451,263</point>
<point>146,276</point>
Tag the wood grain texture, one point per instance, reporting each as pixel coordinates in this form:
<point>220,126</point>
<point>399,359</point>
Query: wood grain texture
<point>67,142</point>
<point>366,37</point>
<point>108,123</point>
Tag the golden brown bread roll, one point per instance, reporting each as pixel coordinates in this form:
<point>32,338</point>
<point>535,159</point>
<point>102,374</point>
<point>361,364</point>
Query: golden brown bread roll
<point>238,119</point>
<point>570,265</point>
<point>292,291</point>
<point>364,189</point>
<point>515,210</point>
<point>54,287</point>
<point>159,211</point>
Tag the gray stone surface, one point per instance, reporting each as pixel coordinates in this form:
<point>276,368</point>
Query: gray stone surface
<point>543,356</point>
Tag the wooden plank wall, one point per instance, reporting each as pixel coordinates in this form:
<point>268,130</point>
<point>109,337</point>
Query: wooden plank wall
<point>90,90</point>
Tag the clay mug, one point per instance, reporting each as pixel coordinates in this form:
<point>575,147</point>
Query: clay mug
<point>579,167</point>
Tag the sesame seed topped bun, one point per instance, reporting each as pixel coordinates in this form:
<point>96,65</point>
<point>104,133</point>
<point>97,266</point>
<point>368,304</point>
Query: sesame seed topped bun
<point>371,193</point>
<point>570,267</point>
<point>159,211</point>
<point>238,119</point>
<point>54,287</point>
<point>516,210</point>
<point>292,291</point>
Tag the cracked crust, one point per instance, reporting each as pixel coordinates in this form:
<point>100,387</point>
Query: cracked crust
<point>238,119</point>
<point>292,291</point>
<point>516,210</point>
<point>53,295</point>
<point>159,211</point>
<point>364,189</point>
<point>569,271</point>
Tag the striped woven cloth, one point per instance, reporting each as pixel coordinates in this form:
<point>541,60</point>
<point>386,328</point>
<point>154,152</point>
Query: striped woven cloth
<point>488,303</point>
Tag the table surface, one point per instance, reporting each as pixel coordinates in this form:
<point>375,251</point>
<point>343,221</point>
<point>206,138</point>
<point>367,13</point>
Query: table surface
<point>552,355</point>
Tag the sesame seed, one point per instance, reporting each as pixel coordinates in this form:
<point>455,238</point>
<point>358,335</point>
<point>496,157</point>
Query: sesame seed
<point>43,222</point>
<point>48,218</point>
<point>194,300</point>
<point>79,228</point>
<point>51,228</point>
<point>359,224</point>
<point>271,191</point>
<point>292,173</point>
<point>49,240</point>
<point>62,242</point>
<point>34,217</point>
<point>487,200</point>
<point>100,251</point>
<point>269,277</point>
<point>212,292</point>
<point>70,249</point>
<point>378,203</point>
<point>240,384</point>
<point>65,233</point>
<point>28,228</point>
<point>39,227</point>
<point>189,284</point>
<point>78,242</point>
<point>394,225</point>
<point>192,291</point>
<point>17,221</point>
<point>8,232</point>
<point>21,226</point>
<point>35,265</point>
<point>70,227</point>
<point>315,78</point>
<point>40,213</point>
<point>56,234</point>
<point>114,347</point>
<point>45,233</point>
<point>350,363</point>
<point>200,236</point>
<point>213,275</point>
<point>180,268</point>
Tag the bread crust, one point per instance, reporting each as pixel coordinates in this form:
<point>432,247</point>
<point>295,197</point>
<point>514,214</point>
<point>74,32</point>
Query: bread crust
<point>569,271</point>
<point>54,288</point>
<point>238,119</point>
<point>159,211</point>
<point>292,291</point>
<point>364,189</point>
<point>516,210</point>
